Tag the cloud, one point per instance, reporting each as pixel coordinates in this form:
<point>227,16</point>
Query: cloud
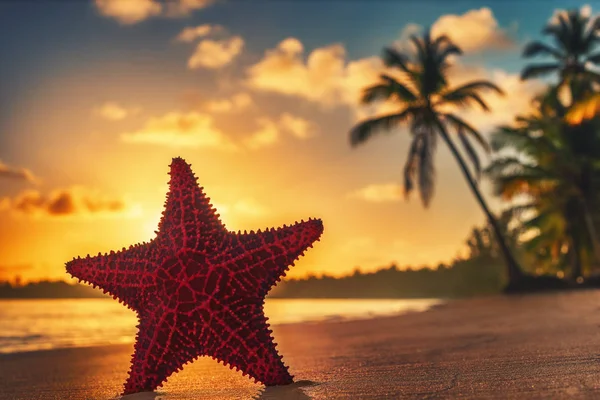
<point>325,77</point>
<point>473,31</point>
<point>516,101</point>
<point>379,193</point>
<point>269,130</point>
<point>67,202</point>
<point>7,171</point>
<point>266,135</point>
<point>112,111</point>
<point>192,33</point>
<point>237,102</point>
<point>178,129</point>
<point>298,127</point>
<point>194,129</point>
<point>183,8</point>
<point>214,54</point>
<point>129,12</point>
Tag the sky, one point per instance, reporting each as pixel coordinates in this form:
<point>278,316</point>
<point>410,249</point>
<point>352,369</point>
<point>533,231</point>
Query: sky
<point>97,97</point>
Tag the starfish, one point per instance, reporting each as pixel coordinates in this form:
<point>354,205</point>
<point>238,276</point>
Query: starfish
<point>199,289</point>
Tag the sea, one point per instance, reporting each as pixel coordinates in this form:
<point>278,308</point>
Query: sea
<point>32,324</point>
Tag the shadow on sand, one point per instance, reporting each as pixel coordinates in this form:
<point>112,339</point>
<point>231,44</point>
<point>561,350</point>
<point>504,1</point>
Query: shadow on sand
<point>293,391</point>
<point>143,396</point>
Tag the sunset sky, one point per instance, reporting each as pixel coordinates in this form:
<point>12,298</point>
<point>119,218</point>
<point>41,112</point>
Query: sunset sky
<point>97,97</point>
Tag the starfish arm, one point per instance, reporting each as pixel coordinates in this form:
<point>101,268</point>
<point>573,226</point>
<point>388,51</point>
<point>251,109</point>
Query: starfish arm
<point>242,339</point>
<point>160,348</point>
<point>259,260</point>
<point>124,274</point>
<point>189,220</point>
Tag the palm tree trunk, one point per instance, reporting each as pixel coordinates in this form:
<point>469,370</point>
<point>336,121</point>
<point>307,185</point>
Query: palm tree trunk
<point>576,270</point>
<point>514,271</point>
<point>587,215</point>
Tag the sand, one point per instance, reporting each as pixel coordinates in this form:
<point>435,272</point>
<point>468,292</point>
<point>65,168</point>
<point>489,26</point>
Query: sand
<point>527,347</point>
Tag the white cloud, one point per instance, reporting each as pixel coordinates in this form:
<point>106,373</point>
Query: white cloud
<point>266,135</point>
<point>183,8</point>
<point>178,129</point>
<point>237,102</point>
<point>214,54</point>
<point>299,127</point>
<point>325,77</point>
<point>129,11</point>
<point>269,130</point>
<point>190,34</point>
<point>475,30</point>
<point>115,112</point>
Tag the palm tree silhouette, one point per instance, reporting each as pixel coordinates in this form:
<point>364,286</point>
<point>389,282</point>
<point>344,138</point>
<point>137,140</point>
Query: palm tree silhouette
<point>423,96</point>
<point>554,166</point>
<point>575,37</point>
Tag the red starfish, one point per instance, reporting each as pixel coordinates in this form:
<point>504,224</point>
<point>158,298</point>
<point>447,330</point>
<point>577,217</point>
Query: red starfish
<point>199,289</point>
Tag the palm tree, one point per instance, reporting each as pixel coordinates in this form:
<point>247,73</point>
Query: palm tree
<point>481,241</point>
<point>553,167</point>
<point>425,101</point>
<point>575,37</point>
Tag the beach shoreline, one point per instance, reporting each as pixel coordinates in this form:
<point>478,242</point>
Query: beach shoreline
<point>530,346</point>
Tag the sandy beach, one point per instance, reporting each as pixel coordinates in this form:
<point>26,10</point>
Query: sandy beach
<point>527,347</point>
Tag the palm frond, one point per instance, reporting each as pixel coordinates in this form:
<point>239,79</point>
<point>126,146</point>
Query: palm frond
<point>590,76</point>
<point>522,140</point>
<point>538,70</point>
<point>441,40</point>
<point>364,130</point>
<point>410,167</point>
<point>393,58</point>
<point>527,182</point>
<point>593,58</point>
<point>379,92</point>
<point>403,92</point>
<point>479,86</point>
<point>389,89</point>
<point>459,123</point>
<point>500,165</point>
<point>538,48</point>
<point>518,210</point>
<point>450,49</point>
<point>426,169</point>
<point>592,34</point>
<point>420,47</point>
<point>464,99</point>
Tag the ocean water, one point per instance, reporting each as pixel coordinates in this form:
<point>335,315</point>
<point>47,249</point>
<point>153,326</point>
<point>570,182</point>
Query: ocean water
<point>27,325</point>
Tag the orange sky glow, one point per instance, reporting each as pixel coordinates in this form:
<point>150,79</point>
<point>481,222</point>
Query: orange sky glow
<point>266,132</point>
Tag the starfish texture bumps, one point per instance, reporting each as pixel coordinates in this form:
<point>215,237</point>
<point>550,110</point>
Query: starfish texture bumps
<point>199,289</point>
